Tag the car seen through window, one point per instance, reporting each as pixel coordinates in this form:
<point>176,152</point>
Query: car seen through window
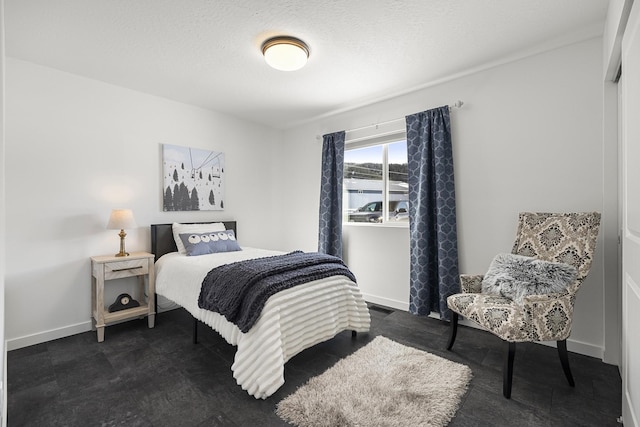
<point>372,212</point>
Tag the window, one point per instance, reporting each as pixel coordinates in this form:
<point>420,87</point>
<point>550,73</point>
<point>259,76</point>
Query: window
<point>375,181</point>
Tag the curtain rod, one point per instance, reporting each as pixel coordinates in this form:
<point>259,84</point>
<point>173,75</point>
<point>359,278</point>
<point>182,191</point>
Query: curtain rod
<point>457,104</point>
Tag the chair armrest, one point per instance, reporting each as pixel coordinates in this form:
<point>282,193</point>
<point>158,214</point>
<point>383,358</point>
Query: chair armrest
<point>471,283</point>
<point>550,316</point>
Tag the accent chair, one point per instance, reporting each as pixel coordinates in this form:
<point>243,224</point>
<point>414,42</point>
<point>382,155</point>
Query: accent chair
<point>568,238</point>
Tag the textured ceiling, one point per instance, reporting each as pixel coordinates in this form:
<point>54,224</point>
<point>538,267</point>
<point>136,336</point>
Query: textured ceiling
<point>207,52</point>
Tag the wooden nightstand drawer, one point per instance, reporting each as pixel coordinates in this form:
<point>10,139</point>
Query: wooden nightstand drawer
<point>128,268</point>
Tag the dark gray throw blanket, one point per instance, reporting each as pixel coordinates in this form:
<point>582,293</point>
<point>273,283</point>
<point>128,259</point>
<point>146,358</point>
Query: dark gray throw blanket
<point>240,290</point>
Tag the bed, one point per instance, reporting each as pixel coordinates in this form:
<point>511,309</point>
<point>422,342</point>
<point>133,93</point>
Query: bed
<point>292,320</point>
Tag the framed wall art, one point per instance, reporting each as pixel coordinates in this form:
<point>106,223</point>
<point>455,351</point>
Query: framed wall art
<point>193,179</point>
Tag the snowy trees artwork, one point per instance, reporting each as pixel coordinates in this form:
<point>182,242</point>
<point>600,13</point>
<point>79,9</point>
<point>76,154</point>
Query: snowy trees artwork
<point>193,179</point>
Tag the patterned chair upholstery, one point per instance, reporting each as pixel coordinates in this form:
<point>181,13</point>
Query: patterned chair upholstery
<point>561,237</point>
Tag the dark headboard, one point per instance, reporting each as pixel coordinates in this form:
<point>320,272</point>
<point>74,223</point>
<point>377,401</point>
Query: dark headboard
<point>162,236</point>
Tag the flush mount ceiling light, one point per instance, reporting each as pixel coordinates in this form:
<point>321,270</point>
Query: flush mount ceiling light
<point>285,53</point>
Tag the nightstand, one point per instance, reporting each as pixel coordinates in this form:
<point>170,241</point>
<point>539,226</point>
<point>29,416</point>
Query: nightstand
<point>109,267</point>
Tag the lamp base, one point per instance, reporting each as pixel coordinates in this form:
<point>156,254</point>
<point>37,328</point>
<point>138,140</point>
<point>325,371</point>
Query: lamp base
<point>122,252</point>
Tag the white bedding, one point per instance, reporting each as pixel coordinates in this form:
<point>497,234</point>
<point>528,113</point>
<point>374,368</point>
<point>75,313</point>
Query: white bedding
<point>291,321</point>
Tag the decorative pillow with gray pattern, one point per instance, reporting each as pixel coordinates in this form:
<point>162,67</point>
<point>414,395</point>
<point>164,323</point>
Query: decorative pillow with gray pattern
<point>516,276</point>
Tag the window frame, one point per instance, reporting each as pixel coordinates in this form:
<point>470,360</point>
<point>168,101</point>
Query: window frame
<point>384,140</point>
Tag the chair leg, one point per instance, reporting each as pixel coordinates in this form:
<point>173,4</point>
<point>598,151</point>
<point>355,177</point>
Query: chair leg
<point>453,330</point>
<point>507,370</point>
<point>564,359</point>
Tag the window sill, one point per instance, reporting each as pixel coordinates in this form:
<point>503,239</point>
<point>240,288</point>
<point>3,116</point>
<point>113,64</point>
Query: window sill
<point>376,225</point>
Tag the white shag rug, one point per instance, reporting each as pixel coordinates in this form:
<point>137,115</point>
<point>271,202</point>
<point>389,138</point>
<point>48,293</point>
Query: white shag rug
<point>382,384</point>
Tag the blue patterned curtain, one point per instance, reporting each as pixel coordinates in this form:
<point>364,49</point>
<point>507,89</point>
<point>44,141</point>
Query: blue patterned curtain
<point>330,232</point>
<point>432,213</point>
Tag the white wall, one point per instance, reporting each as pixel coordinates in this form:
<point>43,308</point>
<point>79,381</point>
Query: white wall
<point>75,149</point>
<point>529,138</point>
<point>380,260</point>
<point>3,360</point>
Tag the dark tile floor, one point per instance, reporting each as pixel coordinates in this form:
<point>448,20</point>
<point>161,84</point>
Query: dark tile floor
<point>157,377</point>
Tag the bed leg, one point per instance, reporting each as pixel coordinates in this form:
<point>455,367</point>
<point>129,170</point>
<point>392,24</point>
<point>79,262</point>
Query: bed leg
<point>354,334</point>
<point>195,330</point>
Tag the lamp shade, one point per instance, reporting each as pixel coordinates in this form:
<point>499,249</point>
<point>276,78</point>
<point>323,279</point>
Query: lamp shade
<point>121,219</point>
<point>285,53</point>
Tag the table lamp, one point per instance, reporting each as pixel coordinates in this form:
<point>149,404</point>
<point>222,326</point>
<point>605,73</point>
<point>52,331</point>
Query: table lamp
<point>119,220</point>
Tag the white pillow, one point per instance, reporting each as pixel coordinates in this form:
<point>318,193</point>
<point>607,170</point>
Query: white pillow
<point>193,228</point>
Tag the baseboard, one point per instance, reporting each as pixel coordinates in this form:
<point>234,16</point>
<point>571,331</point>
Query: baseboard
<point>66,331</point>
<point>579,347</point>
<point>50,335</point>
<point>53,334</point>
<point>386,302</point>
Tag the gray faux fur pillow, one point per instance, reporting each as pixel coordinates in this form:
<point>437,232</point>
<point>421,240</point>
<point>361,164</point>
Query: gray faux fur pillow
<point>516,276</point>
